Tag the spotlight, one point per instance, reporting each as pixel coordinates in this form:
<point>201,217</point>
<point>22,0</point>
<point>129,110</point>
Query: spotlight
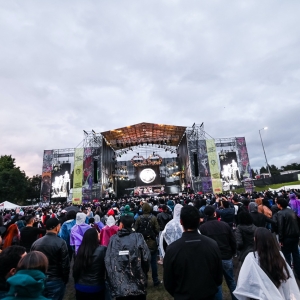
<point>93,131</point>
<point>85,132</point>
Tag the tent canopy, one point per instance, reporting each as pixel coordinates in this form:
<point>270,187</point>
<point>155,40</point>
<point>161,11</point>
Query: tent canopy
<point>8,205</point>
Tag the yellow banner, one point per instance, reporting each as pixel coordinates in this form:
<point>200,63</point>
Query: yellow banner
<point>78,176</point>
<point>214,166</point>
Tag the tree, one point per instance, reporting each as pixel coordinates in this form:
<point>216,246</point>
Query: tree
<point>263,170</point>
<point>13,181</point>
<point>34,187</point>
<point>274,170</point>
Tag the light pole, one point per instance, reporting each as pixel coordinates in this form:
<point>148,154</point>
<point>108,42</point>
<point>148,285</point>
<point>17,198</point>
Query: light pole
<point>265,128</point>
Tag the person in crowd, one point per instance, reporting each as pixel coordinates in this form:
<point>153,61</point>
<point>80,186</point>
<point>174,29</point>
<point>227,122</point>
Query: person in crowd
<point>78,230</point>
<point>29,281</point>
<point>148,226</point>
<point>65,230</point>
<point>222,233</point>
<point>89,267</point>
<point>127,210</point>
<point>226,213</point>
<point>263,207</point>
<point>294,203</point>
<point>108,231</point>
<point>98,224</point>
<point>265,274</point>
<point>259,219</point>
<point>12,236</point>
<point>190,276</point>
<point>288,234</point>
<point>56,251</point>
<point>163,218</point>
<point>127,262</point>
<point>29,234</point>
<point>172,232</point>
<point>244,235</point>
<point>9,259</point>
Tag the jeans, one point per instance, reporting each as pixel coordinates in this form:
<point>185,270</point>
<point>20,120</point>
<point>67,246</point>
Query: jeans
<point>290,247</point>
<point>153,264</point>
<point>229,278</point>
<point>54,289</point>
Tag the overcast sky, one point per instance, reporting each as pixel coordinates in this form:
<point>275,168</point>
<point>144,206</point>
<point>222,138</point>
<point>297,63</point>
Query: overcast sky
<point>66,66</point>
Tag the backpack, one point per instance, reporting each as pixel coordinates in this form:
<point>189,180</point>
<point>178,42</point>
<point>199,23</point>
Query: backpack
<point>145,228</point>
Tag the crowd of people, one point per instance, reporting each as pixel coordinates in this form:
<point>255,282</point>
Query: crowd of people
<point>109,247</point>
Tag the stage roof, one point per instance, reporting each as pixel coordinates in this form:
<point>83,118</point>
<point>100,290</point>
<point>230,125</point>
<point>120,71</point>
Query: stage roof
<point>144,133</point>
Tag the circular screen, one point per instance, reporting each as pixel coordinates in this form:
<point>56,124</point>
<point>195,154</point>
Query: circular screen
<point>147,175</point>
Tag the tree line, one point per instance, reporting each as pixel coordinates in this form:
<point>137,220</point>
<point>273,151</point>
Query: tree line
<point>15,186</point>
<point>275,171</point>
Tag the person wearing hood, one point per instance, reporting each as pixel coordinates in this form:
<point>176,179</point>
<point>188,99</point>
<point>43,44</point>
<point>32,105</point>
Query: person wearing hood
<point>295,206</point>
<point>127,211</point>
<point>108,231</point>
<point>97,223</point>
<point>172,232</point>
<point>147,224</point>
<point>170,203</point>
<point>29,281</point>
<point>78,230</point>
<point>65,230</point>
<point>245,235</point>
<point>259,219</point>
<point>127,262</point>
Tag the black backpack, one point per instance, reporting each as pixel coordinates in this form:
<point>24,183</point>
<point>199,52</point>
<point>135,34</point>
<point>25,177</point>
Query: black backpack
<point>145,228</point>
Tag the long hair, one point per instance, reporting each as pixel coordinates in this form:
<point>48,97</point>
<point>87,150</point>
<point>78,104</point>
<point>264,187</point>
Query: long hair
<point>270,259</point>
<point>12,232</point>
<point>84,257</point>
<point>34,260</point>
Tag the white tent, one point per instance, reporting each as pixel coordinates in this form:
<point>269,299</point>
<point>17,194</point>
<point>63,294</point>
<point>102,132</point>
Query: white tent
<point>286,188</point>
<point>8,205</point>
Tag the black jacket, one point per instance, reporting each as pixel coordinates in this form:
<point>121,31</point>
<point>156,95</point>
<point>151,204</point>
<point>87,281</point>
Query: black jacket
<point>95,275</point>
<point>193,267</point>
<point>127,262</point>
<point>222,233</point>
<point>245,240</point>
<point>287,224</point>
<point>227,215</point>
<point>163,218</point>
<point>56,251</point>
<point>260,220</point>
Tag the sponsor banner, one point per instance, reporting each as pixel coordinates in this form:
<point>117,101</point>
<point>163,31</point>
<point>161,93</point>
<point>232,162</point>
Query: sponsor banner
<point>77,196</point>
<point>46,175</point>
<point>214,166</point>
<point>244,164</point>
<point>78,175</point>
<point>228,144</point>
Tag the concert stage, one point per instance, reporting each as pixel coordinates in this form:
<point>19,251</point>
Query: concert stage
<point>145,160</point>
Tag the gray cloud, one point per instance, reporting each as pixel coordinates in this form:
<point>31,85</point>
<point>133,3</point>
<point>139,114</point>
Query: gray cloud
<point>74,65</point>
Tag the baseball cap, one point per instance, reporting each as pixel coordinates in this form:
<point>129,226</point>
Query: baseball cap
<point>51,223</point>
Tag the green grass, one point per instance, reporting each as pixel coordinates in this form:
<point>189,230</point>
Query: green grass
<point>266,187</point>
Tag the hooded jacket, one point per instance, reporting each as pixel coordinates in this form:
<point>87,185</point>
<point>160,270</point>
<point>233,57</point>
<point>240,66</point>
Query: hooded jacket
<point>153,222</point>
<point>26,284</point>
<point>245,240</point>
<point>127,262</point>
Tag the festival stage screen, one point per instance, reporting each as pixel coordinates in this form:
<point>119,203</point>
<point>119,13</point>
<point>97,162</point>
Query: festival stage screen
<point>148,176</point>
<point>229,168</point>
<point>61,181</point>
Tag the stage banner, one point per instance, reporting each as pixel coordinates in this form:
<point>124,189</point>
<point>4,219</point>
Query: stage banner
<point>46,175</point>
<point>88,176</point>
<point>243,159</point>
<point>204,169</point>
<point>214,166</point>
<point>78,176</point>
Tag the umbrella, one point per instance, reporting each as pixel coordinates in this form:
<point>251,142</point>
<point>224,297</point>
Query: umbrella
<point>72,207</point>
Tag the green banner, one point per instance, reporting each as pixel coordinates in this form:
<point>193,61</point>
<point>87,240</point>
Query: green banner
<point>78,176</point>
<point>214,166</point>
